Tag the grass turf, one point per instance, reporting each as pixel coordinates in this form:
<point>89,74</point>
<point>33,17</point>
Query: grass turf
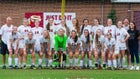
<point>66,74</point>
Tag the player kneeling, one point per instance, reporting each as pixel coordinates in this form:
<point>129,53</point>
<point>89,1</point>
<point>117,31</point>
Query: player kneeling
<point>73,48</point>
<point>60,47</point>
<point>45,48</point>
<point>30,42</point>
<point>99,49</point>
<point>112,52</point>
<point>13,47</point>
<point>86,39</point>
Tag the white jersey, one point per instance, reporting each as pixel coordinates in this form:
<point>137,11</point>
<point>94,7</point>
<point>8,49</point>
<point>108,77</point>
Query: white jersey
<point>73,44</point>
<point>89,27</point>
<point>110,29</point>
<point>101,40</point>
<point>126,27</point>
<point>6,32</point>
<point>37,33</point>
<point>110,43</point>
<point>13,40</point>
<point>95,28</point>
<point>120,35</point>
<point>45,43</point>
<point>23,30</point>
<point>84,40</point>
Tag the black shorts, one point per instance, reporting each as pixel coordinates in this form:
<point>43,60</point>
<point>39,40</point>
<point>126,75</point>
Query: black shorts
<point>4,48</point>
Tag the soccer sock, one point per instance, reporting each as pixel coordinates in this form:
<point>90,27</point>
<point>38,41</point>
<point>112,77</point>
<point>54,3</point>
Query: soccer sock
<point>46,60</point>
<point>123,61</point>
<point>109,63</point>
<point>16,61</point>
<point>9,61</point>
<point>50,62</point>
<point>115,63</point>
<point>39,61</point>
<point>76,61</point>
<point>64,63</point>
<point>70,60</point>
<point>118,62</point>
<point>81,63</point>
<point>90,62</point>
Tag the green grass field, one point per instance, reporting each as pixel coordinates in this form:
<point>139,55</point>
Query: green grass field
<point>66,74</point>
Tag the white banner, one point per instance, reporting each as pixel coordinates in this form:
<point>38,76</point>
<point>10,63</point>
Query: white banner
<point>57,17</point>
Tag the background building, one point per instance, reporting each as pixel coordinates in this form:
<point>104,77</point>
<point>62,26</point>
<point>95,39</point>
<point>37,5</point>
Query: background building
<point>83,8</point>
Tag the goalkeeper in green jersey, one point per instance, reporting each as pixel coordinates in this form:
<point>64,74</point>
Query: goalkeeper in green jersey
<point>60,47</point>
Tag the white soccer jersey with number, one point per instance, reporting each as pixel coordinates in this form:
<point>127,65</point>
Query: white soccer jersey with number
<point>109,43</point>
<point>84,40</point>
<point>37,33</point>
<point>6,32</point>
<point>23,30</point>
<point>110,29</point>
<point>120,35</point>
<point>13,39</point>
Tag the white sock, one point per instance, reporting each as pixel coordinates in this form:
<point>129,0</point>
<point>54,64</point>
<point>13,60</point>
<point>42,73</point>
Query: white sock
<point>81,63</point>
<point>118,62</point>
<point>50,62</point>
<point>90,62</point>
<point>123,61</point>
<point>70,60</point>
<point>46,60</point>
<point>76,61</point>
<point>9,61</point>
<point>39,61</point>
<point>16,61</point>
<point>64,63</point>
<point>115,63</point>
<point>109,63</point>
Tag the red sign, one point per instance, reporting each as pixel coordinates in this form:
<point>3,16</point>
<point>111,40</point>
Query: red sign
<point>34,16</point>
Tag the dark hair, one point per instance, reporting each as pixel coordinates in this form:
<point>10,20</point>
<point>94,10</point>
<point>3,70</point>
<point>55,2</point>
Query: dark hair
<point>48,26</point>
<point>76,38</point>
<point>83,25</point>
<point>134,25</point>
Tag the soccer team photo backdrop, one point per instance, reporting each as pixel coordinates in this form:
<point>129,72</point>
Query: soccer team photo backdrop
<point>69,39</point>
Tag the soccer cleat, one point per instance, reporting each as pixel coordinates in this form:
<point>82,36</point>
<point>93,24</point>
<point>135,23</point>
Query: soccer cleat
<point>51,67</point>
<point>76,67</point>
<point>90,67</point>
<point>109,68</point>
<point>137,68</point>
<point>70,67</point>
<point>3,67</point>
<point>32,67</point>
<point>40,67</point>
<point>132,68</point>
<point>24,67</point>
<point>11,67</point>
<point>16,67</point>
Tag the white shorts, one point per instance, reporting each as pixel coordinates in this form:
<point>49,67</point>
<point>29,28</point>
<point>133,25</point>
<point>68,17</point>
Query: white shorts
<point>37,46</point>
<point>14,46</point>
